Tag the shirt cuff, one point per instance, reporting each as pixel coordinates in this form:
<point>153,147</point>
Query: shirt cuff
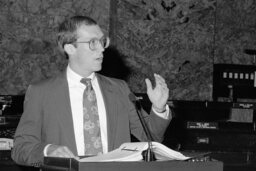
<point>45,150</point>
<point>165,114</point>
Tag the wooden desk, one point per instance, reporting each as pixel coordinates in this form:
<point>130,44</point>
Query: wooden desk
<point>51,164</point>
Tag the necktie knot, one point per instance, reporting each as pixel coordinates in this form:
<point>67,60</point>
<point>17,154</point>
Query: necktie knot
<point>87,82</point>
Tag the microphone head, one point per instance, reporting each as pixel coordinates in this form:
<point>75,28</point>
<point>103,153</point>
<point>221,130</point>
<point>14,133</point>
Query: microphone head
<point>132,97</point>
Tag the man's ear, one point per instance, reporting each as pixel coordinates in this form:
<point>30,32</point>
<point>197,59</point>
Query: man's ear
<point>69,49</point>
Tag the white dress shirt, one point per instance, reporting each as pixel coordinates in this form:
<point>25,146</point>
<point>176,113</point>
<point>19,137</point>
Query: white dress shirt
<point>76,90</point>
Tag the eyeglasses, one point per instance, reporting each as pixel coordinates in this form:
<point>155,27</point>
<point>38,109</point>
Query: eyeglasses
<point>95,43</point>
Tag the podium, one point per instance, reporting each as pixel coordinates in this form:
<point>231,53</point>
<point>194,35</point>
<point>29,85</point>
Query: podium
<point>66,164</point>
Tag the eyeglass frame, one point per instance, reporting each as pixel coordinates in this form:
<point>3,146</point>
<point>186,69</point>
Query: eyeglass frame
<point>100,42</point>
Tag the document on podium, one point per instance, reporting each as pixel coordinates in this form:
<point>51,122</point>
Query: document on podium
<point>132,151</point>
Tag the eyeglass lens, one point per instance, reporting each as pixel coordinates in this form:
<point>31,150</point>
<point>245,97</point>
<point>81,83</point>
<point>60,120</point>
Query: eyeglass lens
<point>94,43</point>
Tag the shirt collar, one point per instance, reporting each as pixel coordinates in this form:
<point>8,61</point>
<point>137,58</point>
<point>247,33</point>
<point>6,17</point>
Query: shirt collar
<point>74,78</point>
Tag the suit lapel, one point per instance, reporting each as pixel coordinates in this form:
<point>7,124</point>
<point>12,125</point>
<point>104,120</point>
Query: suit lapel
<point>66,113</point>
<point>111,110</point>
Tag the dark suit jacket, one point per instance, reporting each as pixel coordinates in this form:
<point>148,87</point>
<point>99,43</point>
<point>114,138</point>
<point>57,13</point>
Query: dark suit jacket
<point>47,118</point>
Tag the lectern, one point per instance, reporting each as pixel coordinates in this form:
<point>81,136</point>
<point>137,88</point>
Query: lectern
<point>62,164</point>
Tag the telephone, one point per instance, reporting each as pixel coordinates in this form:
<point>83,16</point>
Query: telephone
<point>6,143</point>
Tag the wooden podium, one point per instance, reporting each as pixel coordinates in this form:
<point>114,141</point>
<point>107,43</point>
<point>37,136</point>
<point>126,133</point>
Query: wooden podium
<point>62,164</point>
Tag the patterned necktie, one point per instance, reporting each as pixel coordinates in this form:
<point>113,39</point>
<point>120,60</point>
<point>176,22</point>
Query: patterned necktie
<point>92,138</point>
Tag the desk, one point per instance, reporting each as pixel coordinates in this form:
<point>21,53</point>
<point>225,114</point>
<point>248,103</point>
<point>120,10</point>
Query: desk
<point>72,165</point>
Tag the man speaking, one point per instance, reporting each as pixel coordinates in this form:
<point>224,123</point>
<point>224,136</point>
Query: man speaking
<point>80,112</point>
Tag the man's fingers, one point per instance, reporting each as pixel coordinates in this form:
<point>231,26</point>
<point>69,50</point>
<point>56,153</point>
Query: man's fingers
<point>149,84</point>
<point>59,151</point>
<point>159,79</point>
<point>67,152</point>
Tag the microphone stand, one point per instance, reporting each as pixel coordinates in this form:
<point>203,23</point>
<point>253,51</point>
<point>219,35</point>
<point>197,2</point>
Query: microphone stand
<point>148,154</point>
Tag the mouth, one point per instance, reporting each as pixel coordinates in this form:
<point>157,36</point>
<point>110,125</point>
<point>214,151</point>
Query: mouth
<point>99,59</point>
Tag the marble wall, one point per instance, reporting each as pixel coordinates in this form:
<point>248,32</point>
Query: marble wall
<point>28,49</point>
<point>172,38</point>
<point>235,31</point>
<point>179,39</point>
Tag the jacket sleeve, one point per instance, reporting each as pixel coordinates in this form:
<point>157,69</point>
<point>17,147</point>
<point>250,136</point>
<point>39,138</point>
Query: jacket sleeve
<point>28,147</point>
<point>156,124</point>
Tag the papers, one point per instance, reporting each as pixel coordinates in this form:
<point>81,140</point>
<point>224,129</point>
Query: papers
<point>132,152</point>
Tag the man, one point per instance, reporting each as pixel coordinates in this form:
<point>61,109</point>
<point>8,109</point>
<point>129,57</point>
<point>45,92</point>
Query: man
<point>54,119</point>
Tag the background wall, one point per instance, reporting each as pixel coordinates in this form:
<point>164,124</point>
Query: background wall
<point>28,38</point>
<point>235,31</point>
<point>182,40</point>
<point>179,39</point>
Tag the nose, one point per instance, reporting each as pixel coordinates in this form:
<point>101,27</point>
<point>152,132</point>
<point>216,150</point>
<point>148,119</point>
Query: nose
<point>101,47</point>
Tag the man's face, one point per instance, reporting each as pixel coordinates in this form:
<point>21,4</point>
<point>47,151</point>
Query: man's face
<point>85,60</point>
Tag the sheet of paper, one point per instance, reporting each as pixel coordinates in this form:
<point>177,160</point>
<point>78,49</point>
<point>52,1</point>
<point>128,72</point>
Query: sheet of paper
<point>133,152</point>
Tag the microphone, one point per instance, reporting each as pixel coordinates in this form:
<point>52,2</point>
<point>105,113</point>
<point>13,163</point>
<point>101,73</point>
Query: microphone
<point>148,155</point>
